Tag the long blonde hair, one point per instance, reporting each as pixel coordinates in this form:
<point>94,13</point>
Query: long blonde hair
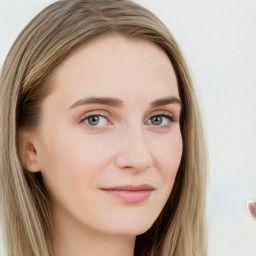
<point>43,44</point>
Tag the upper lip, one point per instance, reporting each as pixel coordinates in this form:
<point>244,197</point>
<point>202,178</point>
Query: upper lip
<point>142,187</point>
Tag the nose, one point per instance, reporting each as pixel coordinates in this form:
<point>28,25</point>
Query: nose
<point>134,153</point>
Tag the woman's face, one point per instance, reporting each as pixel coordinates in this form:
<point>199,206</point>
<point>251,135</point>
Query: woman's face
<point>109,144</point>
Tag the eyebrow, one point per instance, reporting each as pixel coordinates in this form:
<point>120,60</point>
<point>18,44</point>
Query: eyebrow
<point>114,102</point>
<point>166,101</point>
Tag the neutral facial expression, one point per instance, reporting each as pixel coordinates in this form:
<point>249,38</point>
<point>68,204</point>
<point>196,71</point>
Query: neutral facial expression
<point>109,144</point>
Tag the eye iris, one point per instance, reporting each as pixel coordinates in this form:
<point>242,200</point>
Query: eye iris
<point>156,120</point>
<point>93,120</point>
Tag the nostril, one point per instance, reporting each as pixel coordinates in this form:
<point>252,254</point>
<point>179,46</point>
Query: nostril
<point>127,167</point>
<point>130,162</point>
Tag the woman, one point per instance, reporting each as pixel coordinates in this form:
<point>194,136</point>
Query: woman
<point>101,137</point>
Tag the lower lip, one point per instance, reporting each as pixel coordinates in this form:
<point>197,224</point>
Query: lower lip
<point>130,196</point>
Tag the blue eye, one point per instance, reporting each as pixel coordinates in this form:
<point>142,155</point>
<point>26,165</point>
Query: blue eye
<point>161,120</point>
<point>156,120</point>
<point>95,120</point>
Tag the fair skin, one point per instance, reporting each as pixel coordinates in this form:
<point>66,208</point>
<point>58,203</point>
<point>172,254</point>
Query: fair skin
<point>112,120</point>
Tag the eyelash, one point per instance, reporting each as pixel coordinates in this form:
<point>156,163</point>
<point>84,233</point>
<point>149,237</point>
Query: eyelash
<point>86,118</point>
<point>171,119</point>
<point>168,116</point>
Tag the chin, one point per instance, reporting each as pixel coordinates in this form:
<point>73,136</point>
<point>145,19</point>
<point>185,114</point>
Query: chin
<point>132,226</point>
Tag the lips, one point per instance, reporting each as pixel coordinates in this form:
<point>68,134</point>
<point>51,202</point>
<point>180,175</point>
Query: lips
<point>130,193</point>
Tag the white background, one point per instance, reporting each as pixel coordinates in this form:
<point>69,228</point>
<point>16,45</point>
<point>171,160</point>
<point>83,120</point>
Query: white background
<point>218,39</point>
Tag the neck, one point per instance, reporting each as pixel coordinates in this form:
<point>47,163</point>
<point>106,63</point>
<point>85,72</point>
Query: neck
<point>72,238</point>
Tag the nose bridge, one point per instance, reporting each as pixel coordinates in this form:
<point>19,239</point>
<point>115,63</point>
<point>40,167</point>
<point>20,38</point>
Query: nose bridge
<point>134,152</point>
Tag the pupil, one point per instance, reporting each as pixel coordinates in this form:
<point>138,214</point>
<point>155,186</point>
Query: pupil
<point>93,120</point>
<point>156,120</point>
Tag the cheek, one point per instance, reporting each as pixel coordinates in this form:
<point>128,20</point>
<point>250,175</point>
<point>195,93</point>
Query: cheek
<point>68,162</point>
<point>169,153</point>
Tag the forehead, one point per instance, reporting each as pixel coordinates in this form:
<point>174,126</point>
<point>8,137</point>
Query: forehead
<point>116,64</point>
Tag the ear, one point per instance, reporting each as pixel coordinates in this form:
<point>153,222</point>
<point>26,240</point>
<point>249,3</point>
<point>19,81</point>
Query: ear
<point>27,151</point>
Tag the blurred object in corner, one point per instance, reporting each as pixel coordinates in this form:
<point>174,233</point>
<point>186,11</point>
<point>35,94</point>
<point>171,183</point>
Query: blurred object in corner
<point>251,206</point>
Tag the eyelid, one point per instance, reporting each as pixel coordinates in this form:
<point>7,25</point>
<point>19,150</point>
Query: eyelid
<point>103,114</point>
<point>163,113</point>
<point>94,113</point>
